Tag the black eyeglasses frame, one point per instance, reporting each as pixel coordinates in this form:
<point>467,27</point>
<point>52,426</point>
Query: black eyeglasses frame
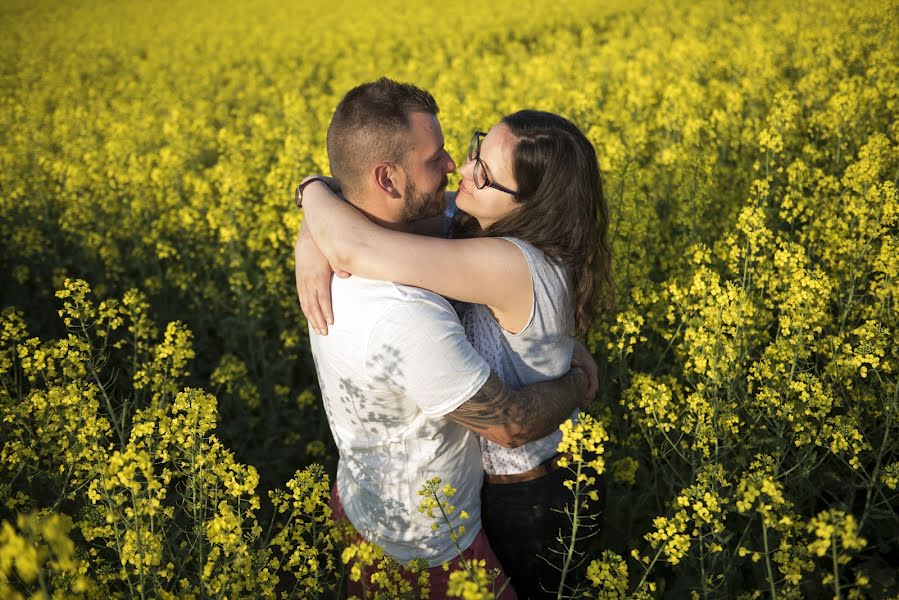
<point>474,153</point>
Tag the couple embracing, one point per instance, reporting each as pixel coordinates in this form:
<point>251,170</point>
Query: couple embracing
<point>451,349</point>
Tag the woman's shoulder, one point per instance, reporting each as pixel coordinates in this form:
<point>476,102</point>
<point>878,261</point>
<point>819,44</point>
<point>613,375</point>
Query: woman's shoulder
<point>551,284</point>
<point>542,266</point>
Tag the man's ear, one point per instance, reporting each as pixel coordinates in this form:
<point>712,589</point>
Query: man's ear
<point>387,179</point>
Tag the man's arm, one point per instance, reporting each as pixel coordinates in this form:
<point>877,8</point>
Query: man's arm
<point>432,363</point>
<point>511,418</point>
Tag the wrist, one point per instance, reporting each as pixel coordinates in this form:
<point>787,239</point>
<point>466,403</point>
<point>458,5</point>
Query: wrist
<point>310,178</point>
<point>298,194</point>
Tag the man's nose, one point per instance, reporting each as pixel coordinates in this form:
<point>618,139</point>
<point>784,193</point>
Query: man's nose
<point>450,163</point>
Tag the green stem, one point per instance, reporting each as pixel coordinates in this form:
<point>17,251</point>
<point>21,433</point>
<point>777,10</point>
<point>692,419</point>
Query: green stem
<point>569,554</point>
<point>705,590</point>
<point>664,353</point>
<point>96,376</point>
<point>673,445</point>
<point>768,568</point>
<point>836,569</point>
<point>115,530</point>
<point>140,545</point>
<point>455,539</point>
<point>880,454</point>
<point>649,568</point>
<point>197,518</point>
<point>65,484</point>
<point>43,583</point>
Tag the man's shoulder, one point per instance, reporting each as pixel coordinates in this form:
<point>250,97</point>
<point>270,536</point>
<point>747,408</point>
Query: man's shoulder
<point>386,294</point>
<point>410,293</point>
<point>400,313</point>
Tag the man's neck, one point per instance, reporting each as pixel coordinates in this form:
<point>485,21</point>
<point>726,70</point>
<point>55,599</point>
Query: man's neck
<point>378,215</point>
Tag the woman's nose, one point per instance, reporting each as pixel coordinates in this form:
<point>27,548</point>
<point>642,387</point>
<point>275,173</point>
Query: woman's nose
<point>465,170</point>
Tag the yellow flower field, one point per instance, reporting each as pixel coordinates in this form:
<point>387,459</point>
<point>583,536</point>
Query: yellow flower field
<point>161,433</point>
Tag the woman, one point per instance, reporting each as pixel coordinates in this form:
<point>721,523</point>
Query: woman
<point>527,265</point>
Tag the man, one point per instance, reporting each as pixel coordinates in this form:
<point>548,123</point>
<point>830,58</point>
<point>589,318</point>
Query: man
<point>402,387</point>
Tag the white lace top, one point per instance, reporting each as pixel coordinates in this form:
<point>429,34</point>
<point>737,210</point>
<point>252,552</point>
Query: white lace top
<point>540,352</point>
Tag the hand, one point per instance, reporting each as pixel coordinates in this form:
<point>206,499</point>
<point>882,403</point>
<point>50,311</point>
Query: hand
<point>313,281</point>
<point>582,359</point>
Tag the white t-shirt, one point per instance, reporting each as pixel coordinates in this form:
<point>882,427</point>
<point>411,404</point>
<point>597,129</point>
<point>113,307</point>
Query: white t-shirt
<point>393,364</point>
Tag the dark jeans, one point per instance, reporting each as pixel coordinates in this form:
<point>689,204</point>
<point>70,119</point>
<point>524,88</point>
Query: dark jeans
<point>523,521</point>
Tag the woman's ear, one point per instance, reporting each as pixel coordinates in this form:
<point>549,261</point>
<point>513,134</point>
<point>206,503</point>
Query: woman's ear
<point>387,179</point>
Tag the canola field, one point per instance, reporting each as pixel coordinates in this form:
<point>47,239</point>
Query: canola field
<point>161,433</point>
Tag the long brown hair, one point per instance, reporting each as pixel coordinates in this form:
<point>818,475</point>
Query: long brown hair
<point>562,206</point>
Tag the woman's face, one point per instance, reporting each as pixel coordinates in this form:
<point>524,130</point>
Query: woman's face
<point>489,204</point>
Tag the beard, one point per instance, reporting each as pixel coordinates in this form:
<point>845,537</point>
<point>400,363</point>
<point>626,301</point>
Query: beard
<point>418,205</point>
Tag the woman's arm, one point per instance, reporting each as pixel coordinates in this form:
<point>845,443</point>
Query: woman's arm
<point>488,271</point>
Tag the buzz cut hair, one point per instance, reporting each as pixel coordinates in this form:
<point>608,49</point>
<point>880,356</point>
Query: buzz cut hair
<point>370,125</point>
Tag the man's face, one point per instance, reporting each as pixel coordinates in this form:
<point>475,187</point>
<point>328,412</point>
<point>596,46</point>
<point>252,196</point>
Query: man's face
<point>426,167</point>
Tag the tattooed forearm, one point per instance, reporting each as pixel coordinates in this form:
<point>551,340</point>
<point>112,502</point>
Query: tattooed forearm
<point>514,417</point>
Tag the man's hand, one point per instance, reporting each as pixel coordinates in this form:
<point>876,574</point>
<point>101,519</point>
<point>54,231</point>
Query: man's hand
<point>313,281</point>
<point>582,359</point>
<point>511,418</point>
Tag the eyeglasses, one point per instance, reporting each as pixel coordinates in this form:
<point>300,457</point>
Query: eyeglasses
<point>481,179</point>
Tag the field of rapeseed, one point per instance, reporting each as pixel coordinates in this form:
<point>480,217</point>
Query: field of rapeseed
<point>160,429</point>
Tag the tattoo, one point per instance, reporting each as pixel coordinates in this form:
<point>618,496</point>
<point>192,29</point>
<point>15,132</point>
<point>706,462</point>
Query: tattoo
<point>514,417</point>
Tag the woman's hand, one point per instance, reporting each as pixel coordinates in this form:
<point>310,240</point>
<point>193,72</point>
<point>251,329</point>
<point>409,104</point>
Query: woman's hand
<point>582,359</point>
<point>313,273</point>
<point>313,281</point>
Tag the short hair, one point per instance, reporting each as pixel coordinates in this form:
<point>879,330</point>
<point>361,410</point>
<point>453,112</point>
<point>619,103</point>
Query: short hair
<point>371,124</point>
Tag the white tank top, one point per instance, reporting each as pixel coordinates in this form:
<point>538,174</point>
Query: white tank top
<point>540,352</point>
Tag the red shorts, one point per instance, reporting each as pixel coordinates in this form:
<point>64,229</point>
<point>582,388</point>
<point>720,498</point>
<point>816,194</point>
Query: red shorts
<point>439,578</point>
